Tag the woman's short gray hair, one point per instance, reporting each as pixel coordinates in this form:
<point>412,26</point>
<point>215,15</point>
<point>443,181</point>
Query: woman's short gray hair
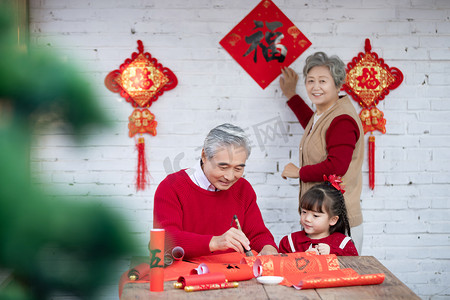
<point>225,135</point>
<point>334,63</point>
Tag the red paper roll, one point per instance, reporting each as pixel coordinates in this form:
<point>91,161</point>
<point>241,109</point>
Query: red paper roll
<point>175,254</point>
<point>257,268</point>
<point>339,278</point>
<point>139,271</point>
<point>231,257</point>
<point>157,260</point>
<point>178,253</point>
<point>232,272</point>
<point>208,278</point>
<point>211,286</point>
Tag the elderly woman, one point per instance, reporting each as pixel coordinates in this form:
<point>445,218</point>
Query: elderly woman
<point>196,211</point>
<point>333,142</point>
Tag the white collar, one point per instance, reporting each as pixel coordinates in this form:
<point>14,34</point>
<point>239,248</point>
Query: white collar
<point>200,179</point>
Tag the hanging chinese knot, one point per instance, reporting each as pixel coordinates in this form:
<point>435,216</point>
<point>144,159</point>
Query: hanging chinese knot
<point>141,80</point>
<point>368,81</point>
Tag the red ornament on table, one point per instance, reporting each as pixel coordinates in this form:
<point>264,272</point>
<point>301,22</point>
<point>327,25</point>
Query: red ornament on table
<point>369,81</point>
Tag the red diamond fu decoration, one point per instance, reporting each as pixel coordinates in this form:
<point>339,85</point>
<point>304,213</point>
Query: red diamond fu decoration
<point>264,42</point>
<point>141,79</point>
<point>369,79</point>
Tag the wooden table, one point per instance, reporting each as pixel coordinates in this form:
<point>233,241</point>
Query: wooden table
<point>391,288</point>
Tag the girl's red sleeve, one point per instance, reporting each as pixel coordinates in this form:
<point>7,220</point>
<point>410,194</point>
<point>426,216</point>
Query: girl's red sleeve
<point>349,249</point>
<point>284,246</point>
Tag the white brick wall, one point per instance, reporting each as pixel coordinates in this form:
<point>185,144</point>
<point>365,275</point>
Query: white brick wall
<point>406,219</point>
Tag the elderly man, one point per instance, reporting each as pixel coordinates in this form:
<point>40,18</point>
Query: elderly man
<point>197,210</point>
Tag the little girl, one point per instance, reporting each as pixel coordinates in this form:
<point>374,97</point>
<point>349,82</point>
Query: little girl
<point>323,216</point>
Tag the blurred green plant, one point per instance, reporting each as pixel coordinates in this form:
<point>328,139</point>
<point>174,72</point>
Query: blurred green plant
<point>50,244</point>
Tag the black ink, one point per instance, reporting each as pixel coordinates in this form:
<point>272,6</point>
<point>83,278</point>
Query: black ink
<point>272,49</point>
<point>155,260</point>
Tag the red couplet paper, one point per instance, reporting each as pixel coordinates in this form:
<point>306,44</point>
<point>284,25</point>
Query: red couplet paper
<point>208,278</point>
<point>224,258</point>
<point>292,263</point>
<point>337,278</point>
<point>157,260</point>
<point>232,272</point>
<point>264,42</point>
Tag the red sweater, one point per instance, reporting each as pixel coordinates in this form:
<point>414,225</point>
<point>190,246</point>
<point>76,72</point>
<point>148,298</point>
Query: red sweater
<point>191,215</point>
<point>302,243</point>
<point>341,139</point>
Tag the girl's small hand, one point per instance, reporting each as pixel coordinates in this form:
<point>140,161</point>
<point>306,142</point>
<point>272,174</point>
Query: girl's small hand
<point>323,249</point>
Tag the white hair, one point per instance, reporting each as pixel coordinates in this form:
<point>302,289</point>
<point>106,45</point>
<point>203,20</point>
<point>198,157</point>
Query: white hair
<point>225,135</point>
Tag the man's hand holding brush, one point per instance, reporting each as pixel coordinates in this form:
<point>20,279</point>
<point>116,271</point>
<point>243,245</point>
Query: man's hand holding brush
<point>232,239</point>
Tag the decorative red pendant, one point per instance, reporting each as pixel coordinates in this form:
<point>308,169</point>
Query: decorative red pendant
<point>141,79</point>
<point>142,170</point>
<point>368,81</point>
<point>372,120</point>
<point>142,121</point>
